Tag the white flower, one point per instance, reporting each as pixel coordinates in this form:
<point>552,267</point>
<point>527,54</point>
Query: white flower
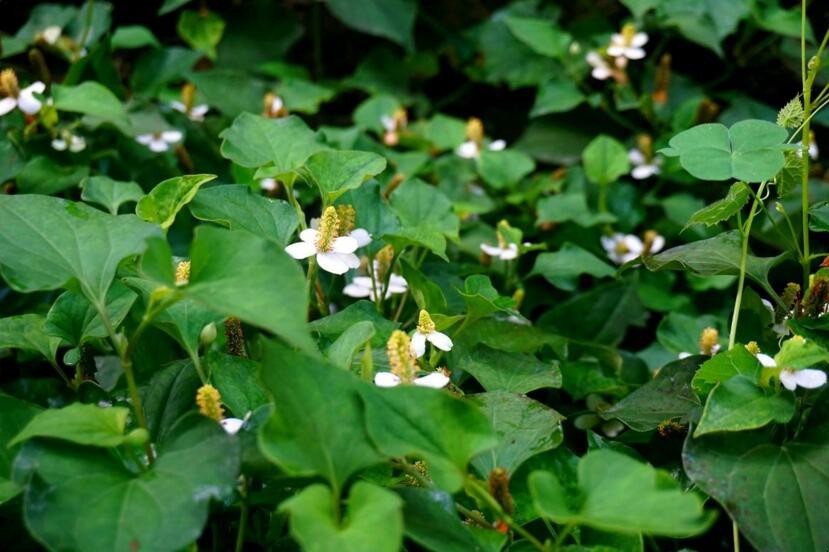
<point>268,184</point>
<point>426,332</point>
<point>51,34</point>
<point>601,69</point>
<point>506,253</point>
<point>813,149</point>
<point>435,380</point>
<point>622,248</point>
<point>627,44</point>
<point>361,235</point>
<point>361,286</point>
<point>233,425</point>
<point>160,141</point>
<point>334,253</point>
<point>25,101</point>
<point>780,328</point>
<point>471,150</point>
<point>195,113</point>
<point>642,166</point>
<point>807,378</point>
<point>389,123</point>
<point>72,142</point>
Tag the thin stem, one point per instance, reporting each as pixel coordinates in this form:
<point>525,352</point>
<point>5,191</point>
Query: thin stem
<point>289,194</point>
<point>63,376</point>
<point>562,536</point>
<point>745,232</point>
<point>243,516</point>
<point>735,533</point>
<point>400,306</point>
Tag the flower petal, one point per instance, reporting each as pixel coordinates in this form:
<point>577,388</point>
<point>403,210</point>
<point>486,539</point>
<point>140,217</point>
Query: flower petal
<point>77,144</point>
<point>27,103</point>
<point>634,53</point>
<point>361,235</point>
<point>332,262</point>
<point>497,145</point>
<point>301,250</point>
<point>657,244</point>
<point>6,105</point>
<point>386,379</point>
<point>639,40</point>
<point>344,244</point>
<point>158,146</point>
<point>766,360</point>
<point>491,250</point>
<point>350,259</point>
<point>59,144</point>
<point>232,425</point>
<point>435,380</point>
<point>178,106</point>
<point>144,139</point>
<point>418,345</point>
<point>511,252</point>
<point>172,136</point>
<point>810,378</point>
<point>467,150</point>
<point>355,290</point>
<point>787,378</point>
<point>309,235</point>
<point>642,172</point>
<point>440,340</point>
<point>636,157</point>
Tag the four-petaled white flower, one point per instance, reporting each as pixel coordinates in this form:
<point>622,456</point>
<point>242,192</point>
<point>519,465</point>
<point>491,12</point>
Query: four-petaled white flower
<point>601,68</point>
<point>334,253</point>
<point>628,43</point>
<point>361,286</point>
<point>623,248</point>
<point>69,141</point>
<point>24,99</point>
<point>807,378</point>
<point>505,252</point>
<point>160,141</point>
<point>435,380</point>
<point>642,166</point>
<point>195,113</point>
<point>471,150</point>
<point>426,332</point>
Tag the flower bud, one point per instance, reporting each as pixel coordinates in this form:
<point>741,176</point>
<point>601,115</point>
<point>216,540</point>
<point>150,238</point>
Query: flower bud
<point>475,130</point>
<point>208,335</point>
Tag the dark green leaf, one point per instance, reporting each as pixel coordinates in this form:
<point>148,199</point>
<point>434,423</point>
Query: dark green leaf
<point>167,198</point>
<point>518,373</point>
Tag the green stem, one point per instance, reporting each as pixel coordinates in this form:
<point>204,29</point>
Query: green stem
<point>562,536</point>
<point>243,517</point>
<point>289,194</point>
<point>735,533</point>
<point>63,376</point>
<point>745,232</point>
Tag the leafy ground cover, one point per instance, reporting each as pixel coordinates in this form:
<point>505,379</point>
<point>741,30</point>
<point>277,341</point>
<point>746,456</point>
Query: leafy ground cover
<point>380,275</point>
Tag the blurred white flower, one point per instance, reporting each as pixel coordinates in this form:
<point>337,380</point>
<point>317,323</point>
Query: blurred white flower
<point>435,380</point>
<point>505,253</point>
<point>601,69</point>
<point>642,166</point>
<point>623,248</point>
<point>807,378</point>
<point>268,184</point>
<point>195,113</point>
<point>471,150</point>
<point>361,286</point>
<point>23,99</point>
<point>628,43</point>
<point>160,141</point>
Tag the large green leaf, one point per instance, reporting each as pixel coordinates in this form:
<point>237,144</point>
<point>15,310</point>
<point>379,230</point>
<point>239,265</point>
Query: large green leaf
<point>501,371</point>
<point>445,431</point>
<point>168,197</point>
<point>42,175</point>
<point>84,424</point>
<point>336,172</point>
<point>525,427</point>
<point>504,169</point>
<point>607,481</point>
<point>75,320</point>
<point>237,208</point>
<point>605,160</point>
<point>93,100</point>
<point>47,242</point>
<point>237,379</point>
<point>425,215</point>
<point>109,193</point>
<point>392,19</point>
<point>79,499</point>
<point>563,267</point>
<point>751,150</point>
<point>668,397</point>
<point>540,35</point>
<point>28,332</point>
<point>280,144</point>
<point>555,96</point>
<point>318,528</point>
<point>317,425</point>
<point>778,494</point>
<point>238,274</point>
<point>723,209</point>
<point>738,404</point>
<point>570,206</point>
<point>723,366</point>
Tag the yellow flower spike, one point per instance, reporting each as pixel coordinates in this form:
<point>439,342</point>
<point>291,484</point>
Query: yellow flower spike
<point>188,96</point>
<point>328,230</point>
<point>425,325</point>
<point>709,341</point>
<point>752,347</point>
<point>475,130</point>
<point>8,83</point>
<point>402,364</point>
<point>383,261</point>
<point>182,273</point>
<point>209,402</point>
<point>628,32</point>
<point>348,219</point>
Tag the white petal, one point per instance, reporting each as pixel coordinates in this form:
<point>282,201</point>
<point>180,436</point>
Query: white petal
<point>344,244</point>
<point>268,184</point>
<point>440,340</point>
<point>683,354</point>
<point>350,259</point>
<point>639,40</point>
<point>788,379</point>
<point>6,105</point>
<point>144,139</point>
<point>158,146</point>
<point>511,252</point>
<point>491,250</point>
<point>36,87</point>
<point>616,50</point>
<point>609,242</point>
<point>355,290</point>
<point>634,53</point>
<point>27,103</point>
<point>332,262</point>
<point>396,288</point>
<point>178,106</point>
<point>636,157</point>
<point>276,104</point>
<point>813,151</point>
<point>362,281</point>
<point>361,235</point>
<point>386,379</point>
<point>809,378</point>
<point>172,136</point>
<point>435,380</point>
<point>497,145</point>
<point>200,110</point>
<point>468,150</point>
<point>418,345</point>
<point>232,425</point>
<point>594,59</point>
<point>59,144</point>
<point>601,73</point>
<point>398,281</point>
<point>309,235</point>
<point>51,34</point>
<point>301,250</point>
<point>657,244</point>
<point>388,123</point>
<point>766,360</point>
<point>634,244</point>
<point>629,256</point>
<point>77,144</point>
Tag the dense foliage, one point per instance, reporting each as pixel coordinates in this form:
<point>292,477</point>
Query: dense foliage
<point>371,275</point>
